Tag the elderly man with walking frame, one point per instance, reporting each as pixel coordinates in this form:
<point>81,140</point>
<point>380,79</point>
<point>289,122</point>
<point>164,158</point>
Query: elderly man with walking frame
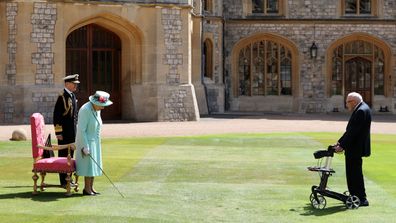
<point>356,144</point>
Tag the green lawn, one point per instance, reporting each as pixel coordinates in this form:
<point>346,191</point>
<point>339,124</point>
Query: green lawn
<point>219,178</point>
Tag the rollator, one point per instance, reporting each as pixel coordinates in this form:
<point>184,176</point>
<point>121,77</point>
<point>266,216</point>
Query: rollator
<point>317,197</point>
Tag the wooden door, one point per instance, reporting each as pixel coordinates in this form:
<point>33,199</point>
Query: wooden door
<point>358,73</point>
<point>95,53</point>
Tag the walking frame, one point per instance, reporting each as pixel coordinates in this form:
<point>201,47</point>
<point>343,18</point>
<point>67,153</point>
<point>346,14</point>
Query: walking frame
<point>317,197</point>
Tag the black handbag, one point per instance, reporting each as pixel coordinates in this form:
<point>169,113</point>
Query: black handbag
<point>48,153</point>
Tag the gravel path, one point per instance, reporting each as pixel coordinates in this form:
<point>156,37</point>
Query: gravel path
<point>219,124</point>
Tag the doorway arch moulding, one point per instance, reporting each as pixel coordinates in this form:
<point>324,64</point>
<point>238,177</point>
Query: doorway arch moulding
<point>131,40</point>
<point>383,45</point>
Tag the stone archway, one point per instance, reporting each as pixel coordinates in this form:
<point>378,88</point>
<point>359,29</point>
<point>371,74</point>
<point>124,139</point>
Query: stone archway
<point>361,63</point>
<point>130,58</point>
<point>95,54</point>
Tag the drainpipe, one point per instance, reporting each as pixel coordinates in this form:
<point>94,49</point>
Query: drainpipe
<point>223,61</point>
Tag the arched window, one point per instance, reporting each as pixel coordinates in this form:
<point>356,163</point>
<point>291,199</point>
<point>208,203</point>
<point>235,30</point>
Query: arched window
<point>208,59</point>
<point>358,65</point>
<point>265,68</point>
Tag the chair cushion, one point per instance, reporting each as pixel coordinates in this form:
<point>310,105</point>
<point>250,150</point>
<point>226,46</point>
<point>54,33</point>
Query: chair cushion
<point>54,165</point>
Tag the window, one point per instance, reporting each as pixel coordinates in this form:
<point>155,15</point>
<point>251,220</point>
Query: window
<point>208,59</point>
<point>359,7</point>
<point>379,72</point>
<point>264,68</point>
<point>265,6</point>
<point>207,5</point>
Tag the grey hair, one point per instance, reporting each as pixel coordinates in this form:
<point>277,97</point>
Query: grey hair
<point>356,96</point>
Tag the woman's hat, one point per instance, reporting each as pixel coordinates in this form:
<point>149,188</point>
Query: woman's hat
<point>100,98</point>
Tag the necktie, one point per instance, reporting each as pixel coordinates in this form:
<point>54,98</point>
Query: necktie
<point>73,97</point>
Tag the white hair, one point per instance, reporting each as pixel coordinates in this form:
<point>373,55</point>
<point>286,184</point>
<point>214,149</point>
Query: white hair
<point>356,96</point>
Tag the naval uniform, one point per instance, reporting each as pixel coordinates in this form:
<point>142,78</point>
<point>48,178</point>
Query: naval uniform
<point>65,121</point>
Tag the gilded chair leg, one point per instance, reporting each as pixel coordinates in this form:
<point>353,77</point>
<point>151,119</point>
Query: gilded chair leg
<point>68,179</point>
<point>35,178</point>
<point>76,188</point>
<point>42,185</point>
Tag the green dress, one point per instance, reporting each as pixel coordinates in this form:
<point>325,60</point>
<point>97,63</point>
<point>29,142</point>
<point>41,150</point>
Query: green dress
<point>88,136</point>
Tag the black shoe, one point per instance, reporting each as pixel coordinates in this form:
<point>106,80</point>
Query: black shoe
<point>72,184</point>
<point>95,192</point>
<point>89,194</point>
<point>364,203</point>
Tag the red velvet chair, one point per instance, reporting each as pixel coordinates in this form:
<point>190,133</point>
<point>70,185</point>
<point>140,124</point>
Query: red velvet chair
<point>53,164</point>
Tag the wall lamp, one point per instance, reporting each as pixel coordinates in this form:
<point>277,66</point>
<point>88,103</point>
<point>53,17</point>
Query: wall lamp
<point>313,50</point>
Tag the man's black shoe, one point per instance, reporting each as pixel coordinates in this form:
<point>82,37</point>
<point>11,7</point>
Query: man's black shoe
<point>364,203</point>
<point>72,184</point>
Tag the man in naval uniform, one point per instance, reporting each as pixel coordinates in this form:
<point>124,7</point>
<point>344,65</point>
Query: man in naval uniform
<point>65,117</point>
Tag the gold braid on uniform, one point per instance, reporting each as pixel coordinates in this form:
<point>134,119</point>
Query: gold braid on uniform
<point>67,106</point>
<point>58,128</point>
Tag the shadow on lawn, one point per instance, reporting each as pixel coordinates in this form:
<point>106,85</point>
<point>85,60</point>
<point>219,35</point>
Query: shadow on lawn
<point>42,197</point>
<point>309,210</point>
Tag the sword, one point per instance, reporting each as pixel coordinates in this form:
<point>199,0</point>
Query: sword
<point>89,154</point>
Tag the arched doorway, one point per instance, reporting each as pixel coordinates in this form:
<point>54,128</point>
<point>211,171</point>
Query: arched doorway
<point>95,53</point>
<point>360,63</point>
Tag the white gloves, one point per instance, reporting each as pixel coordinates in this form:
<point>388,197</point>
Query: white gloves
<point>85,151</point>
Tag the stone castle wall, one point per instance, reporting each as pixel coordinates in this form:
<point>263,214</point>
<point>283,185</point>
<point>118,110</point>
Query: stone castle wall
<point>35,62</point>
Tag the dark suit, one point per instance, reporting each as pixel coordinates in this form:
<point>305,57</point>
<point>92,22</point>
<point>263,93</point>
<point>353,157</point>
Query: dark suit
<point>356,143</point>
<point>65,120</point>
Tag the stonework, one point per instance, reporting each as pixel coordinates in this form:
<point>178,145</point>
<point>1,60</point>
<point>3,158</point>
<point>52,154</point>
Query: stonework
<point>172,23</point>
<point>152,90</point>
<point>313,9</point>
<point>43,24</point>
<point>12,11</point>
<point>233,9</point>
<point>176,108</point>
<point>159,62</point>
<point>44,103</point>
<point>312,72</point>
<point>302,22</point>
<point>8,112</point>
<point>177,102</point>
<point>213,29</point>
<point>213,95</point>
<point>389,9</point>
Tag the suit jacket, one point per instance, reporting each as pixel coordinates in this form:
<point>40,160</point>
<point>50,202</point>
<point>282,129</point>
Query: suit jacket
<point>356,139</point>
<point>65,117</point>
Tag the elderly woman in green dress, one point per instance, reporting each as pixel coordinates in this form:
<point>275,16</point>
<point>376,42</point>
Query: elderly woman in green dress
<point>88,142</point>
